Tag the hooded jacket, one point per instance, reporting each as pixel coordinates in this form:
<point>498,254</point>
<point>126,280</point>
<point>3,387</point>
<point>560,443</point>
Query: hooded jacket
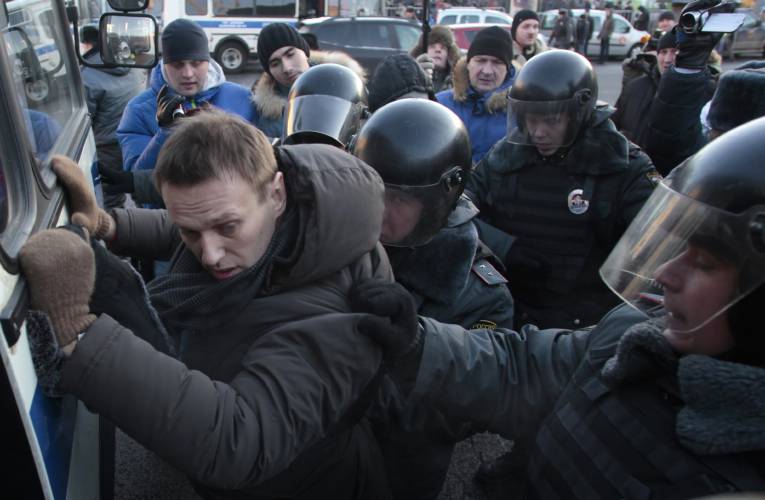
<point>442,79</point>
<point>140,135</point>
<point>270,98</point>
<point>616,413</point>
<point>484,115</point>
<point>266,403</point>
<point>107,92</point>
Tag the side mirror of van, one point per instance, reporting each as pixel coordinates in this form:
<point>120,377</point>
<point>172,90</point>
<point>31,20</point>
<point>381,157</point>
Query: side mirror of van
<point>128,5</point>
<point>129,40</point>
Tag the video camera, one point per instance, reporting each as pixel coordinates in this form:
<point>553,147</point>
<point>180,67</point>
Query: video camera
<point>715,19</point>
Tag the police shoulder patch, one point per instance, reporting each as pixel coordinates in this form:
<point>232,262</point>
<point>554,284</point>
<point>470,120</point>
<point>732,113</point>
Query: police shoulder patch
<point>484,324</point>
<point>488,273</point>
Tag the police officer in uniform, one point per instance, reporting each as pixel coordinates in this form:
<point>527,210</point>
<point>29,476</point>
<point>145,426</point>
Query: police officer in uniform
<point>326,104</point>
<point>665,397</point>
<point>565,184</point>
<point>422,152</point>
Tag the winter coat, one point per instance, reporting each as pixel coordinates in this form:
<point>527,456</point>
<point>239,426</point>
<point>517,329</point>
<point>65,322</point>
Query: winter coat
<point>615,412</point>
<point>633,104</point>
<point>442,79</point>
<point>270,98</point>
<point>641,23</point>
<point>523,54</point>
<point>265,403</point>
<point>531,198</point>
<point>562,36</point>
<point>607,29</point>
<point>584,27</point>
<point>107,92</point>
<point>484,115</point>
<point>140,135</point>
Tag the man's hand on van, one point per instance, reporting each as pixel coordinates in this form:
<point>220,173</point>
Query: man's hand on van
<point>82,199</point>
<point>60,270</point>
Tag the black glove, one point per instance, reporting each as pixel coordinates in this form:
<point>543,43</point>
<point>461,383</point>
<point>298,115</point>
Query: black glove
<point>115,181</point>
<point>392,318</point>
<point>693,49</point>
<point>168,106</point>
<point>523,264</point>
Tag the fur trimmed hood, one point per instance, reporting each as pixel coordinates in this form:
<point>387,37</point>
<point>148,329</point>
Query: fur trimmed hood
<point>270,101</point>
<point>443,35</point>
<point>496,100</point>
<point>520,57</point>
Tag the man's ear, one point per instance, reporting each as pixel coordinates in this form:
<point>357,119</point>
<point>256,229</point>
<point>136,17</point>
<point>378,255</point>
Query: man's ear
<point>278,193</point>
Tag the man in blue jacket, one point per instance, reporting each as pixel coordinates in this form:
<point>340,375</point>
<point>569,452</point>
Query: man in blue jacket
<point>481,83</point>
<point>185,80</point>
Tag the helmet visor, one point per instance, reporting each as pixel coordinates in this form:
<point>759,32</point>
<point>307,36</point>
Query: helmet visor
<point>310,115</point>
<point>547,125</point>
<point>415,214</point>
<point>675,239</point>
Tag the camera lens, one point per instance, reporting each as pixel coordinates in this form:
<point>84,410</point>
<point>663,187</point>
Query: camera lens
<point>690,21</point>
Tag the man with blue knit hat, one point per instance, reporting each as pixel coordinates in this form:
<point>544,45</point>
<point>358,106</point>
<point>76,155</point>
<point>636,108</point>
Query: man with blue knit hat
<point>186,81</point>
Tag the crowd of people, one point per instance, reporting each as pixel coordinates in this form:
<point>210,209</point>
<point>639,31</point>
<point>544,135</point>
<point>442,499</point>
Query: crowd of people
<point>365,270</point>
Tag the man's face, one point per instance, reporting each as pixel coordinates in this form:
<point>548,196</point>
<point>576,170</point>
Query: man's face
<point>486,73</point>
<point>437,51</point>
<point>526,33</point>
<point>402,213</point>
<point>287,64</point>
<point>666,58</point>
<point>696,284</point>
<point>187,78</point>
<point>665,24</point>
<point>224,222</point>
<point>410,14</point>
<point>547,132</point>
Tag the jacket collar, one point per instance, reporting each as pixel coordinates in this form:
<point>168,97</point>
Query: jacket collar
<point>494,101</point>
<point>215,78</point>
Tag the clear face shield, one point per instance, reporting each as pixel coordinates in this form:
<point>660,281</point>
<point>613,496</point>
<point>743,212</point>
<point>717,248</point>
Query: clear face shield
<point>332,119</point>
<point>667,236</point>
<point>546,125</point>
<point>415,214</point>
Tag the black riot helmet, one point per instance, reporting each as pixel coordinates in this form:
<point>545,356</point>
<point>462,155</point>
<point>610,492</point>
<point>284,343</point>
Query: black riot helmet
<point>551,100</point>
<point>715,201</point>
<point>421,150</point>
<point>326,104</point>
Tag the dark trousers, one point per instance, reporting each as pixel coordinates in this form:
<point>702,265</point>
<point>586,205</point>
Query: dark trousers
<point>604,46</point>
<point>581,47</point>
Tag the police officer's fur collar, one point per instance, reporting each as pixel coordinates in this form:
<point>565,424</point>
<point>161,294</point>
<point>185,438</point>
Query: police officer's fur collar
<point>497,101</point>
<point>723,402</point>
<point>265,92</point>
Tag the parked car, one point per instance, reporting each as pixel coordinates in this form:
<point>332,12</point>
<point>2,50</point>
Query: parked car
<point>464,15</point>
<point>366,39</point>
<point>625,42</point>
<point>749,39</point>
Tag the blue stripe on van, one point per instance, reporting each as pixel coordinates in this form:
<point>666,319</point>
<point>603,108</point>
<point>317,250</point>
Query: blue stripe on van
<point>45,49</point>
<point>53,421</point>
<point>239,24</point>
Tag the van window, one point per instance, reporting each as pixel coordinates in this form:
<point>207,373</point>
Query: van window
<point>196,7</point>
<point>496,20</point>
<point>620,26</point>
<point>233,8</point>
<point>469,18</point>
<point>450,19</point>
<point>275,8</point>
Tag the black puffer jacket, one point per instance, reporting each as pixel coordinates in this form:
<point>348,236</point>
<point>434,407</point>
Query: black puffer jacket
<point>633,105</point>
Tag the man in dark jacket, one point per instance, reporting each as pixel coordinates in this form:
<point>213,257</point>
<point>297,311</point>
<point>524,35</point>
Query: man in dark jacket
<point>606,30</point>
<point>663,398</point>
<point>635,100</point>
<point>565,184</point>
<point>254,379</point>
<point>107,92</point>
<point>562,35</point>
<point>583,33</point>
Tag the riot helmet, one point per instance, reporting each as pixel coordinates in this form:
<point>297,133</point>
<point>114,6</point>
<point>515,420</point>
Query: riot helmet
<point>551,100</point>
<point>421,150</point>
<point>326,104</point>
<point>712,206</point>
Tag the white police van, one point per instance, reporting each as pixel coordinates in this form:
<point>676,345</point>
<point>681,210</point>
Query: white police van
<point>52,448</point>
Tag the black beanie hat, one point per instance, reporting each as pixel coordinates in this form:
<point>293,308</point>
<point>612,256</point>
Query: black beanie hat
<point>184,40</point>
<point>275,36</point>
<point>492,41</point>
<point>667,41</point>
<point>739,98</point>
<point>396,75</point>
<point>520,16</point>
<point>667,15</point>
<point>89,34</point>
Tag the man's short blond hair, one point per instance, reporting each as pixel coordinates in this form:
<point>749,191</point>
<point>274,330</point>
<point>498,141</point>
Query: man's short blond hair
<point>215,145</point>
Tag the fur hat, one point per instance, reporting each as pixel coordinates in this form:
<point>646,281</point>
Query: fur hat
<point>184,40</point>
<point>739,98</point>
<point>520,16</point>
<point>443,35</point>
<point>396,75</point>
<point>275,36</point>
<point>492,41</point>
<point>667,15</point>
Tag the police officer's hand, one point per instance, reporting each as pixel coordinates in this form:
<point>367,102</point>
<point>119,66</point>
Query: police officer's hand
<point>82,199</point>
<point>391,319</point>
<point>427,64</point>
<point>116,181</point>
<point>60,270</point>
<point>167,106</point>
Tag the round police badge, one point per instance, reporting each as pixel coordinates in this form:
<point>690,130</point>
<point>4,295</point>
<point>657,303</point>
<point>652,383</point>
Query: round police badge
<point>577,205</point>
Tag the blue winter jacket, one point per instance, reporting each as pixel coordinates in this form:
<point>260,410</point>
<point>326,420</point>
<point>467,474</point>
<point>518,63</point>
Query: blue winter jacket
<point>140,135</point>
<point>484,115</point>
